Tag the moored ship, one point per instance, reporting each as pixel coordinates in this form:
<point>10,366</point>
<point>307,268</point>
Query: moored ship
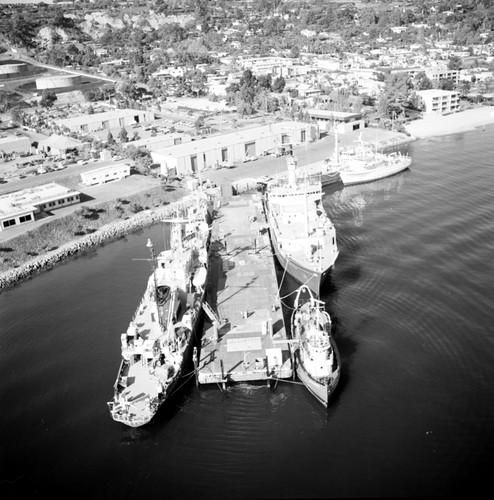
<point>302,235</point>
<point>317,360</point>
<point>157,346</point>
<point>363,163</point>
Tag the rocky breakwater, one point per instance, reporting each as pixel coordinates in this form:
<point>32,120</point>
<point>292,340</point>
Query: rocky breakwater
<point>104,234</point>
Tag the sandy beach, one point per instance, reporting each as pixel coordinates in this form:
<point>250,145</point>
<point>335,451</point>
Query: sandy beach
<point>435,125</point>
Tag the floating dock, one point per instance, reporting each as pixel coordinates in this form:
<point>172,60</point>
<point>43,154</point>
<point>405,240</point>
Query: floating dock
<point>245,337</point>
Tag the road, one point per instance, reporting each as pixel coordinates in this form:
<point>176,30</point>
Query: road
<point>266,166</point>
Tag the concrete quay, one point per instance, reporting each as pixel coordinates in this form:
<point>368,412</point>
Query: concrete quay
<point>245,337</point>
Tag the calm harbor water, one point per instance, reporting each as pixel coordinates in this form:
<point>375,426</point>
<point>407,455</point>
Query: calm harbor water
<point>411,302</point>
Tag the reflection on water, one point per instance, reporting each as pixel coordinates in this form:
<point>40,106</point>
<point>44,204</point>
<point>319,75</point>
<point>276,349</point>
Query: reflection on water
<point>410,302</point>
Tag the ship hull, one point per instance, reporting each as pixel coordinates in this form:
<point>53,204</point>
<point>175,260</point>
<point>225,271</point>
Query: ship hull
<point>328,178</point>
<point>350,177</point>
<point>187,365</point>
<point>302,274</point>
<point>321,391</point>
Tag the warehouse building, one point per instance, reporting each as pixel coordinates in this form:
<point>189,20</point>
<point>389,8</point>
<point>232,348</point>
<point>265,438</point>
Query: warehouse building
<point>192,157</point>
<point>107,120</point>
<point>13,144</point>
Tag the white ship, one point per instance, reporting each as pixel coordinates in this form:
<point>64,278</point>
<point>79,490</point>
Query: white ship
<point>302,235</point>
<point>362,163</point>
<point>317,361</point>
<point>157,346</point>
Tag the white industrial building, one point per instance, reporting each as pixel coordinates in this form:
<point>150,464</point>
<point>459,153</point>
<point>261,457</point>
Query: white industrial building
<point>117,118</point>
<point>160,141</point>
<point>56,82</point>
<point>14,144</point>
<point>185,159</point>
<point>102,175</point>
<point>343,122</point>
<point>22,206</point>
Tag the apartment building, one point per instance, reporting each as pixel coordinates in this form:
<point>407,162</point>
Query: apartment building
<point>438,101</point>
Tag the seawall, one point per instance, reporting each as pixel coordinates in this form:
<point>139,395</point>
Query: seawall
<point>104,234</point>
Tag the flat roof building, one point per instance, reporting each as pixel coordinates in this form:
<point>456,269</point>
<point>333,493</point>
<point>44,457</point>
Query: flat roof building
<point>160,141</point>
<point>14,144</point>
<point>117,118</point>
<point>22,206</point>
<point>438,101</point>
<point>195,156</point>
<point>344,122</point>
<point>102,175</point>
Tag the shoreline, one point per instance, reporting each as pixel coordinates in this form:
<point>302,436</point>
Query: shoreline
<point>430,126</point>
<point>108,233</point>
<point>456,123</point>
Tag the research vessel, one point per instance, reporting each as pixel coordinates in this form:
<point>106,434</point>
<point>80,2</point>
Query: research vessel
<point>302,235</point>
<point>158,344</point>
<point>362,163</point>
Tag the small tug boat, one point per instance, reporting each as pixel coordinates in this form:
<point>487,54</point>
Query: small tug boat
<point>317,360</point>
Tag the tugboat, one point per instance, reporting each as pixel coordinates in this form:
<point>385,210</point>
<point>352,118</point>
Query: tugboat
<point>302,235</point>
<point>158,344</point>
<point>317,360</point>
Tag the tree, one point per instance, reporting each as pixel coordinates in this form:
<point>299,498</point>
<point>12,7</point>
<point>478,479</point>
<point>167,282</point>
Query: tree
<point>48,99</point>
<point>446,84</point>
<point>396,94</point>
<point>279,85</point>
<point>455,62</point>
<point>16,115</point>
<point>422,81</point>
<point>123,135</point>
<point>110,139</point>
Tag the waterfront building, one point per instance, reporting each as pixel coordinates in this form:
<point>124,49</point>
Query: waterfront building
<point>22,206</point>
<point>438,101</point>
<point>342,121</point>
<point>189,158</point>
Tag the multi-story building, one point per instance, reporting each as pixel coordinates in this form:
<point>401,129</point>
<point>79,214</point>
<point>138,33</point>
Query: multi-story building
<point>438,101</point>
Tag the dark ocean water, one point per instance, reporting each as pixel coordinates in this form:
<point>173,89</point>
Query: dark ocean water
<point>411,299</point>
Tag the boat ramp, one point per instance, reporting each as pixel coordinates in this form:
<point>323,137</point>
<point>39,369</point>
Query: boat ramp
<point>245,337</point>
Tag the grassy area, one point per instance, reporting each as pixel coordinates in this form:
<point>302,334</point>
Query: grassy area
<point>85,220</point>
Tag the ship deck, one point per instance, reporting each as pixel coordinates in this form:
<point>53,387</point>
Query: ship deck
<point>248,342</point>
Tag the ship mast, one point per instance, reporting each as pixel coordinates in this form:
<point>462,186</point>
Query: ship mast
<point>149,245</point>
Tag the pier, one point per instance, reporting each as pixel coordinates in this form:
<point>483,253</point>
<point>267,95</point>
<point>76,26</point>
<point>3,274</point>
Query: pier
<point>244,332</point>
